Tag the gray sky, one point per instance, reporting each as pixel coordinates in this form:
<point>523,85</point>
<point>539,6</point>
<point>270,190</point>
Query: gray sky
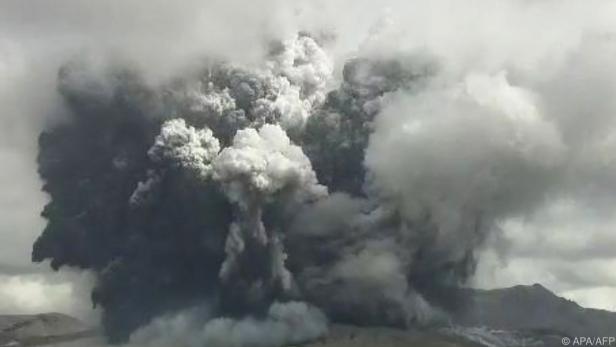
<point>560,52</point>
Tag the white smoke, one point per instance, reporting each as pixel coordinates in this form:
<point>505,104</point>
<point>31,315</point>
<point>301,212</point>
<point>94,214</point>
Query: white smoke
<point>286,88</point>
<point>263,163</point>
<point>182,147</point>
<point>284,324</point>
<point>304,70</point>
<point>186,147</point>
<point>256,167</point>
<point>463,156</point>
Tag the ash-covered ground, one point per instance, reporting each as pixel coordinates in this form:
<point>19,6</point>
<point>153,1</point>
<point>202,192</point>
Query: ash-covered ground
<point>520,316</point>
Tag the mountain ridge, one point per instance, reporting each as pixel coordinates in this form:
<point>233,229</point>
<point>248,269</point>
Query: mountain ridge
<point>523,315</point>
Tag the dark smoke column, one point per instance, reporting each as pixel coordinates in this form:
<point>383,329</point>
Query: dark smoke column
<point>140,196</point>
<point>160,255</point>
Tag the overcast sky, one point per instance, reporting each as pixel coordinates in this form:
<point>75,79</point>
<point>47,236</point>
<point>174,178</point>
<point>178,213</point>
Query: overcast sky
<point>562,52</point>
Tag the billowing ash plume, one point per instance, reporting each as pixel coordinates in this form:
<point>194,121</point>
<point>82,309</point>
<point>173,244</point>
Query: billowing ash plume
<point>181,195</point>
<point>280,198</point>
<point>259,168</point>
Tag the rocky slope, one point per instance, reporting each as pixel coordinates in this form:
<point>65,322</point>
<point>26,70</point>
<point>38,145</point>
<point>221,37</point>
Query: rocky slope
<point>517,316</point>
<point>352,336</point>
<point>532,308</point>
<point>41,329</point>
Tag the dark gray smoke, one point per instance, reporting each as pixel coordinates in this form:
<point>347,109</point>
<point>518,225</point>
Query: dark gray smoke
<point>273,194</point>
<point>194,192</point>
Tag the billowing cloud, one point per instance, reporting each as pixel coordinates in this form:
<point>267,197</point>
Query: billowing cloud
<point>283,154</point>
